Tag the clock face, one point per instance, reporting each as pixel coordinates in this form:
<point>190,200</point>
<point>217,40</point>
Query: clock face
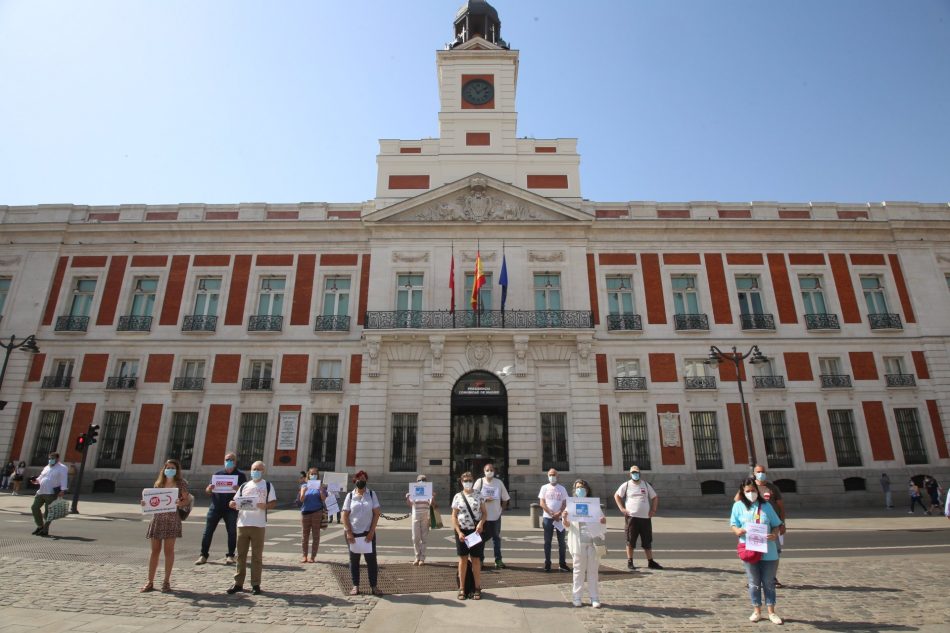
<point>478,92</point>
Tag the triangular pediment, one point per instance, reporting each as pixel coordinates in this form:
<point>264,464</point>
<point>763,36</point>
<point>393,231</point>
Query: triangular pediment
<point>477,43</point>
<point>475,199</point>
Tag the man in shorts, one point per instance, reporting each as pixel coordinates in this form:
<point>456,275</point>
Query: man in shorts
<point>637,500</point>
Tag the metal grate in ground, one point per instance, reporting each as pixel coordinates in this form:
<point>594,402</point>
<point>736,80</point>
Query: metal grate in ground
<point>403,578</point>
<point>69,548</point>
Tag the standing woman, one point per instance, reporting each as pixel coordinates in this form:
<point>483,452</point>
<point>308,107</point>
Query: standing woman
<point>914,490</point>
<point>586,554</point>
<point>165,527</point>
<point>312,503</point>
<point>18,476</point>
<point>419,510</point>
<point>761,574</point>
<point>468,515</point>
<point>360,515</point>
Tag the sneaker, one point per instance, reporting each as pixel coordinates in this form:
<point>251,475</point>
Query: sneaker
<point>547,567</point>
<point>201,560</point>
<point>755,617</point>
<point>229,560</point>
<point>233,589</point>
<point>576,602</point>
<point>256,590</point>
<point>630,564</point>
<point>652,564</point>
<point>499,564</point>
<point>774,619</point>
<point>564,567</point>
<point>595,604</point>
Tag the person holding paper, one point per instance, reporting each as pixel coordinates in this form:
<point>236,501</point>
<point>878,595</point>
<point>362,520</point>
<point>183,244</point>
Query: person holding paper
<point>586,541</point>
<point>166,526</point>
<point>313,499</point>
<point>468,519</point>
<point>496,499</point>
<point>223,484</point>
<point>360,515</point>
<point>420,522</point>
<point>748,510</point>
<point>252,500</point>
<point>553,498</point>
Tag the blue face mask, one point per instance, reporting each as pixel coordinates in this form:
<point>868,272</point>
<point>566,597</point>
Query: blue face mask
<point>52,462</point>
<point>635,476</point>
<point>170,472</point>
<point>580,492</point>
<point>256,474</point>
<point>314,477</point>
<point>760,476</point>
<point>229,463</point>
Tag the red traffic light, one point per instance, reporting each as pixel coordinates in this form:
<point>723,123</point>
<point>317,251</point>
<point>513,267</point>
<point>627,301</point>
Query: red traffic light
<point>81,442</point>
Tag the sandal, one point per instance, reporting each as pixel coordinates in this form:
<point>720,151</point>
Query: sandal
<point>311,560</point>
<point>149,586</point>
<point>304,560</point>
<point>477,595</point>
<point>166,587</point>
<point>461,595</point>
<point>355,591</point>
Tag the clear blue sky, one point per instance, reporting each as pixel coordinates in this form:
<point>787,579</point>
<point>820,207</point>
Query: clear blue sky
<point>127,101</point>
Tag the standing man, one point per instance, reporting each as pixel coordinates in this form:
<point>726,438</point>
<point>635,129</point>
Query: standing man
<point>637,500</point>
<point>52,482</point>
<point>553,498</point>
<point>886,487</point>
<point>496,498</point>
<point>220,509</point>
<point>251,524</point>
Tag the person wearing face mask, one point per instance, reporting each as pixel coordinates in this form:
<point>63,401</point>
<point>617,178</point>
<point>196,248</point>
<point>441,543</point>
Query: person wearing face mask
<point>496,498</point>
<point>553,498</point>
<point>583,540</point>
<point>419,510</point>
<point>252,524</point>
<point>52,482</point>
<point>637,500</point>
<point>468,515</point>
<point>165,528</point>
<point>220,509</point>
<point>752,508</point>
<point>361,512</point>
<point>770,492</point>
<point>312,503</point>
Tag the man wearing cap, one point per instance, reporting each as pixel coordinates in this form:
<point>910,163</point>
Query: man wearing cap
<point>637,500</point>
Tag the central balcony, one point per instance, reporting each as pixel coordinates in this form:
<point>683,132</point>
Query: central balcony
<point>71,323</point>
<point>628,322</point>
<point>121,382</point>
<point>257,384</point>
<point>199,323</point>
<point>326,384</point>
<point>768,382</point>
<point>757,321</point>
<point>690,322</point>
<point>700,382</point>
<point>835,381</point>
<point>445,320</point>
<point>265,323</point>
<point>885,321</point>
<point>332,323</point>
<point>822,322</point>
<point>57,382</point>
<point>189,383</point>
<point>630,383</point>
<point>134,323</point>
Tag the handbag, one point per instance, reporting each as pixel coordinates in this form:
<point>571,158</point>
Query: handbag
<point>185,510</point>
<point>324,518</point>
<point>747,556</point>
<point>57,510</point>
<point>435,519</point>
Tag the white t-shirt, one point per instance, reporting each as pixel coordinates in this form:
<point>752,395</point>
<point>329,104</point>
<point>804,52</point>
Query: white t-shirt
<point>361,509</point>
<point>637,496</point>
<point>464,518</point>
<point>555,498</point>
<point>255,518</point>
<point>493,493</point>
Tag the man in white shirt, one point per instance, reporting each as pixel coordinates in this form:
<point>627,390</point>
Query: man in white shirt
<point>251,524</point>
<point>52,482</point>
<point>637,500</point>
<point>553,498</point>
<point>496,498</point>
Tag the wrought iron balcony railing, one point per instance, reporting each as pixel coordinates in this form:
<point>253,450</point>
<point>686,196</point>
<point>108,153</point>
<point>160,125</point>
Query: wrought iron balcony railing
<point>757,321</point>
<point>199,323</point>
<point>900,380</point>
<point>629,322</point>
<point>768,382</point>
<point>885,321</point>
<point>133,323</point>
<point>121,382</point>
<point>822,322</point>
<point>630,383</point>
<point>326,384</point>
<point>691,321</point>
<point>835,381</point>
<point>188,383</point>
<point>700,382</point>
<point>265,323</point>
<point>332,323</point>
<point>443,319</point>
<point>57,382</point>
<point>257,384</point>
<point>72,323</point>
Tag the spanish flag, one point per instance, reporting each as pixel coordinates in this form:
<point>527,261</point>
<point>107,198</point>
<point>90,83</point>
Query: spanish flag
<point>478,282</point>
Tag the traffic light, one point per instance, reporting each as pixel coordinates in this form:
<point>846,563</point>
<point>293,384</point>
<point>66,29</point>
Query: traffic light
<point>81,442</point>
<point>91,434</point>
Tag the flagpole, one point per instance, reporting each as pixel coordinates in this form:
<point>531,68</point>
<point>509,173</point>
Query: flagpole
<point>504,289</point>
<point>477,295</point>
<point>452,284</point>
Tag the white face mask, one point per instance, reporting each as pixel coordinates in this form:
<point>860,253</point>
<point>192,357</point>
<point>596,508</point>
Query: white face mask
<point>468,485</point>
<point>751,496</point>
<point>552,478</point>
<point>489,474</point>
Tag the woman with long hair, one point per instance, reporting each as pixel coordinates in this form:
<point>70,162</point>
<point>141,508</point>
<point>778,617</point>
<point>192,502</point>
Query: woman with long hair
<point>166,526</point>
<point>749,509</point>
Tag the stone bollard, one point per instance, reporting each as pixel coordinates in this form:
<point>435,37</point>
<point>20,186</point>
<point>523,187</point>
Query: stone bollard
<point>536,515</point>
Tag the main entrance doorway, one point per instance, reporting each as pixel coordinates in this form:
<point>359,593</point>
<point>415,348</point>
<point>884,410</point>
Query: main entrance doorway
<point>479,426</point>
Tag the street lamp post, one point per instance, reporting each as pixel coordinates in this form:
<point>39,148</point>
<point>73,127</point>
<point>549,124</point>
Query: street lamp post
<point>716,356</point>
<point>27,345</point>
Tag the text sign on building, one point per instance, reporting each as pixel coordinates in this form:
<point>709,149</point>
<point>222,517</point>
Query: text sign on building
<point>287,430</point>
<point>670,427</point>
<point>478,387</point>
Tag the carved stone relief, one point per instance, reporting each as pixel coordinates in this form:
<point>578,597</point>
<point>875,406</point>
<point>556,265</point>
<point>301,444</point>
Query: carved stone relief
<point>372,352</point>
<point>408,257</point>
<point>437,344</point>
<point>546,256</point>
<point>479,354</point>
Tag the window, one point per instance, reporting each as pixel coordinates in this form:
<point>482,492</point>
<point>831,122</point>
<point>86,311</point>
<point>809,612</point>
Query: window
<point>260,375</point>
<point>775,433</point>
<point>484,294</point>
<point>336,296</point>
<point>912,442</point>
<point>706,440</point>
<point>620,295</point>
<point>845,438</point>
<point>128,368</point>
<point>697,374</point>
<point>829,366</point>
<point>409,292</point>
<point>547,291</point>
<point>181,439</point>
<point>627,375</point>
<point>270,299</point>
<point>893,365</point>
<point>207,295</point>
<point>685,297</point>
<point>193,369</point>
<point>750,297</point>
<point>634,441</point>
<point>328,376</point>
<point>554,441</point>
<point>323,441</point>
<point>402,456</point>
<point>813,297</point>
<point>874,294</point>
<point>895,375</point>
<point>62,375</point>
<point>143,296</point>
<point>47,437</point>
<point>251,436</point>
<point>83,292</point>
<point>4,291</point>
<point>112,439</point>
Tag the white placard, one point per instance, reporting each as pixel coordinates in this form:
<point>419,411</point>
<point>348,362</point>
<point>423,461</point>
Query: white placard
<point>159,500</point>
<point>223,483</point>
<point>333,506</point>
<point>670,427</point>
<point>287,423</point>
<point>420,491</point>
<point>489,493</point>
<point>583,509</point>
<point>756,537</point>
<point>361,546</point>
<point>558,526</point>
<point>336,482</point>
<point>247,503</point>
<point>473,539</point>
<point>314,484</point>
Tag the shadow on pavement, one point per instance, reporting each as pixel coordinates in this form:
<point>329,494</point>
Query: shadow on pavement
<point>858,588</point>
<point>662,612</point>
<point>707,570</point>
<point>80,539</point>
<point>841,625</point>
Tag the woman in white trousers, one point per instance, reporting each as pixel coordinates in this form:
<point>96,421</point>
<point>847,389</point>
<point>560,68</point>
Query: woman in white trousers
<point>585,540</point>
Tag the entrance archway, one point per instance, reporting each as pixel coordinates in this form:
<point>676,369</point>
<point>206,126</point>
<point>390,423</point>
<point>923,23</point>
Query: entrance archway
<point>479,431</point>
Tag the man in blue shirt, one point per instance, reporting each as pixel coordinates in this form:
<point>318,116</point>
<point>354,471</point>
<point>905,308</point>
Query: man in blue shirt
<point>219,509</point>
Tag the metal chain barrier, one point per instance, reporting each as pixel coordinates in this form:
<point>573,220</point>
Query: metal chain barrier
<point>396,518</point>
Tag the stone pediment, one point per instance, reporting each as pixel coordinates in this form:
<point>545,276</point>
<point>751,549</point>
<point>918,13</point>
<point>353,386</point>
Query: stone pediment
<point>476,199</point>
